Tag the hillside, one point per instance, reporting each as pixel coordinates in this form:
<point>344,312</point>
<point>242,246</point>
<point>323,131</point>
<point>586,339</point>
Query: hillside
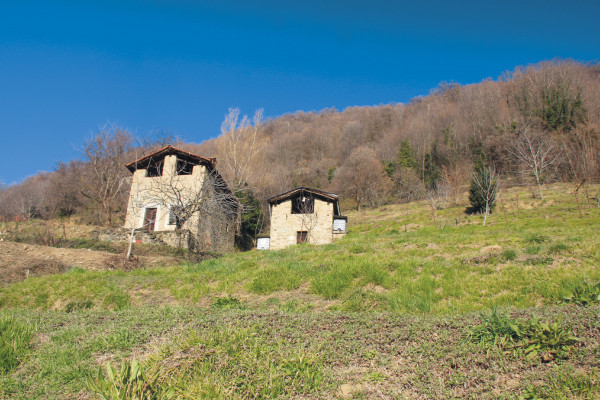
<point>407,150</point>
<point>385,312</point>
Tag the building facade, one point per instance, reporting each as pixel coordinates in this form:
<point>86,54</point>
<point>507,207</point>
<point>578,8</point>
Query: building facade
<point>304,215</point>
<point>180,192</point>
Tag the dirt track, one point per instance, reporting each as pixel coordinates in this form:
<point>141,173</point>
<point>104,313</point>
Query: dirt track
<point>19,260</point>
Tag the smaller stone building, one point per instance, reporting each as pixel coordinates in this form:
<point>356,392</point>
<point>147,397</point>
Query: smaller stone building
<point>180,199</point>
<point>303,215</point>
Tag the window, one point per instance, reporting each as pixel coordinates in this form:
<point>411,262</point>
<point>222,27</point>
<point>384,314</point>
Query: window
<point>303,205</point>
<point>301,236</point>
<point>154,169</point>
<point>149,219</point>
<point>184,167</point>
<point>173,216</point>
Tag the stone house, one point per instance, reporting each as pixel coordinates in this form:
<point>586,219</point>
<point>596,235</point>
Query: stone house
<point>303,215</point>
<point>180,199</point>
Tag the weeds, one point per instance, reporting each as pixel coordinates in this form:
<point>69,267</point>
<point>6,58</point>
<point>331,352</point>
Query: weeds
<point>15,342</point>
<point>532,337</point>
<point>226,302</point>
<point>509,255</point>
<point>131,383</point>
<point>566,383</point>
<point>584,293</point>
<point>236,364</point>
<point>536,238</point>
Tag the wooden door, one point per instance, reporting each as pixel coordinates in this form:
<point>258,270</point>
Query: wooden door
<point>150,219</point>
<point>301,237</point>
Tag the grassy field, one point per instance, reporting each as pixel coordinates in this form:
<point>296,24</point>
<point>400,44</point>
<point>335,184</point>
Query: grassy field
<point>389,311</point>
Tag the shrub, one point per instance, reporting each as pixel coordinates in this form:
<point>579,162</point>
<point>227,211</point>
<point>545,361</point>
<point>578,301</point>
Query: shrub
<point>15,342</point>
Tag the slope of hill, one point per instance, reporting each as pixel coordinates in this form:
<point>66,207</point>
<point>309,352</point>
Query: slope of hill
<point>387,311</point>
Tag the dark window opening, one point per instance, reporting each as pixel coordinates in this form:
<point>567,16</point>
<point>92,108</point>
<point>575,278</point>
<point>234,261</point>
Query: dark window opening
<point>303,205</point>
<point>172,217</point>
<point>184,167</point>
<point>154,169</point>
<point>149,219</point>
<point>301,236</point>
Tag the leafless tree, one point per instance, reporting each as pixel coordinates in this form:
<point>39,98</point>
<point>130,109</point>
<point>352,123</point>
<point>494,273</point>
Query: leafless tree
<point>536,151</point>
<point>362,176</point>
<point>486,180</point>
<point>437,197</point>
<point>239,145</point>
<point>106,153</point>
<point>210,204</point>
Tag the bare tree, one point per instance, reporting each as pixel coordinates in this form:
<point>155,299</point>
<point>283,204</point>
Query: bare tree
<point>536,152</point>
<point>239,146</point>
<point>437,197</point>
<point>363,177</point>
<point>103,183</point>
<point>210,204</point>
<point>484,181</point>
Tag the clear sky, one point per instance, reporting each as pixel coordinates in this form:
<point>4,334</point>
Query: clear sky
<point>68,67</point>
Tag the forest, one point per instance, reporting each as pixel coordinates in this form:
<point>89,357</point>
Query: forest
<point>534,125</point>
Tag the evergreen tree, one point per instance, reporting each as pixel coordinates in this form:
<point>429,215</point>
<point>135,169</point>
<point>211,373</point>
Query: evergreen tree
<point>406,155</point>
<point>251,219</point>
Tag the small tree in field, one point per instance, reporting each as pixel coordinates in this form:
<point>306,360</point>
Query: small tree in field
<point>483,191</point>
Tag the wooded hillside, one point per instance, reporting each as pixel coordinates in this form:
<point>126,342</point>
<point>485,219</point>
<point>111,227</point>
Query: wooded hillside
<point>535,124</point>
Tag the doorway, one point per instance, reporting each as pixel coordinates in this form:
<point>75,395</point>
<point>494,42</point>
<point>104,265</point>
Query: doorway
<point>150,219</point>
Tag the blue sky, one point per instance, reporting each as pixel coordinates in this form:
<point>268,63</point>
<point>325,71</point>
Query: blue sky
<point>68,67</point>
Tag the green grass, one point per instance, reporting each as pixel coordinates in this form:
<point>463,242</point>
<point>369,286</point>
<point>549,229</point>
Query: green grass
<point>15,342</point>
<point>386,312</point>
<point>223,354</point>
<point>520,260</point>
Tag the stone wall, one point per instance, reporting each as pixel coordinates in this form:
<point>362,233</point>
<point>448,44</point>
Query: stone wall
<point>151,192</point>
<point>285,225</point>
<point>206,230</point>
<point>181,238</point>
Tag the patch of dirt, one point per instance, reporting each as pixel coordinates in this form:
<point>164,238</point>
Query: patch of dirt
<point>490,249</point>
<point>18,261</point>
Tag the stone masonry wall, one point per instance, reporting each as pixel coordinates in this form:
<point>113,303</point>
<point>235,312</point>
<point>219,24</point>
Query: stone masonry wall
<point>148,192</point>
<point>285,225</point>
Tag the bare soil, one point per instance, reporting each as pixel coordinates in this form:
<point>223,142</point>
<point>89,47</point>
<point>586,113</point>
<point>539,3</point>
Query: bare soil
<point>19,261</point>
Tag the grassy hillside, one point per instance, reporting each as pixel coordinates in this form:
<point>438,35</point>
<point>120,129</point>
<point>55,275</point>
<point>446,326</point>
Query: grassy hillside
<point>392,310</point>
<point>394,259</point>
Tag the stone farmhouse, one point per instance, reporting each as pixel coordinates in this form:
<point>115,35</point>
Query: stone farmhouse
<point>180,199</point>
<point>303,215</point>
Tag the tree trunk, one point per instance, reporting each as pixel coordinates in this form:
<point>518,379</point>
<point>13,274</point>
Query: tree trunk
<point>131,236</point>
<point>537,181</point>
<point>486,213</point>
